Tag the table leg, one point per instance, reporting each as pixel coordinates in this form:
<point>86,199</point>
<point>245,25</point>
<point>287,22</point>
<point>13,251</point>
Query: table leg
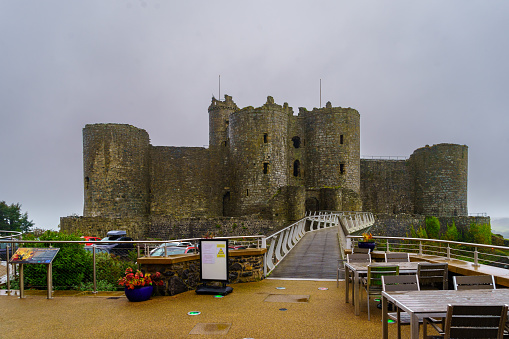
<point>385,318</point>
<point>414,326</point>
<point>347,283</point>
<point>357,293</point>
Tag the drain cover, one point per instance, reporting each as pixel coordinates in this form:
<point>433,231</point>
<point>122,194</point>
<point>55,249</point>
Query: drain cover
<point>211,328</point>
<point>287,298</point>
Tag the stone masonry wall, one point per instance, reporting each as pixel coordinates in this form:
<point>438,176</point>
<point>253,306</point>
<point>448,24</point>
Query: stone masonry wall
<point>135,227</point>
<point>399,225</point>
<point>167,227</point>
<point>184,276</point>
<point>440,174</point>
<point>180,184</point>
<point>115,166</point>
<point>386,186</point>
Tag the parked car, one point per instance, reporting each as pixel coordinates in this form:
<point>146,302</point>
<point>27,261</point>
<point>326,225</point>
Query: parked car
<point>121,250</point>
<point>173,244</point>
<point>237,247</point>
<point>171,250</point>
<point>97,249</point>
<point>88,238</point>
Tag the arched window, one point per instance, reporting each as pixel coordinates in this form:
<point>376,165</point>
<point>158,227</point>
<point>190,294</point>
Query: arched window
<point>296,142</point>
<point>296,168</point>
<point>265,167</point>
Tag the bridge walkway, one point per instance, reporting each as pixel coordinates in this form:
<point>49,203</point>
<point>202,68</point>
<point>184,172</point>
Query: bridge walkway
<point>315,257</point>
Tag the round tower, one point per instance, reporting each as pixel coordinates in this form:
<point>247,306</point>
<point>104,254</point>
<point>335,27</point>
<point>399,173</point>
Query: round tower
<point>258,155</point>
<point>440,175</point>
<point>219,114</point>
<point>333,148</point>
<point>116,170</point>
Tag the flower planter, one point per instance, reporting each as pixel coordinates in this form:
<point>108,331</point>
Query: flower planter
<point>370,245</point>
<point>139,293</point>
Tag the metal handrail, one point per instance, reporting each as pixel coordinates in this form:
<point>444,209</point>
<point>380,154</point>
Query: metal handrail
<point>282,242</point>
<point>449,251</point>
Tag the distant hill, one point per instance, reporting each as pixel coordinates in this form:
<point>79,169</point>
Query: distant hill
<point>500,226</point>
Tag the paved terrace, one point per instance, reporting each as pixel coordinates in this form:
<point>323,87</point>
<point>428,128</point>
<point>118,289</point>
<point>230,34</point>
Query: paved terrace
<point>253,310</point>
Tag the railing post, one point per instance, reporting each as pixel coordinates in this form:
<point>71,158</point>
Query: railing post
<point>264,245</point>
<point>420,248</point>
<point>387,245</point>
<point>8,273</point>
<point>448,252</point>
<point>349,243</point>
<point>476,257</point>
<point>139,252</point>
<point>94,269</point>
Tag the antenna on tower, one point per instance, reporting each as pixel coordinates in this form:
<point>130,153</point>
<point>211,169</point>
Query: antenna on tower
<point>320,93</point>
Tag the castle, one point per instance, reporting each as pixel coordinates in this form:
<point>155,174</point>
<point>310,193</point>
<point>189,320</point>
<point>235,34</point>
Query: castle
<point>263,164</point>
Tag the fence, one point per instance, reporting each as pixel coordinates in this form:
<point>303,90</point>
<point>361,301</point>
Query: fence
<point>98,266</point>
<point>485,254</point>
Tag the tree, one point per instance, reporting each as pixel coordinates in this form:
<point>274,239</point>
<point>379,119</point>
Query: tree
<point>433,227</point>
<point>11,218</point>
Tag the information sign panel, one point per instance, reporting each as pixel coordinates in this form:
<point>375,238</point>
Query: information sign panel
<point>34,255</point>
<point>214,260</point>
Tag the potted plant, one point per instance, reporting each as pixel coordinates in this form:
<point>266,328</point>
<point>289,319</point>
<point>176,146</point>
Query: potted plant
<point>367,241</point>
<point>138,286</point>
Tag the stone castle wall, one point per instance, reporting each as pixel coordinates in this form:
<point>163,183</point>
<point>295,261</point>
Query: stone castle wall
<point>440,175</point>
<point>386,186</point>
<point>433,181</point>
<point>265,163</point>
<point>164,227</point>
<point>399,225</point>
<point>180,182</point>
<point>115,165</point>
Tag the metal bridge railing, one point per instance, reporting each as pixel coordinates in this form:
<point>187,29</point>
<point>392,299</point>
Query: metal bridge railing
<point>281,243</point>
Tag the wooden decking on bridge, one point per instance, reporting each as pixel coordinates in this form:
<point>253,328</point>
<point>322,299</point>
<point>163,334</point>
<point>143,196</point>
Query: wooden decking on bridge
<point>314,257</point>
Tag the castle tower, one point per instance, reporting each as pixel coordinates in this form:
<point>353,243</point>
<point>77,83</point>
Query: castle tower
<point>219,115</point>
<point>116,170</point>
<point>219,142</point>
<point>440,174</point>
<point>258,155</point>
<point>332,148</point>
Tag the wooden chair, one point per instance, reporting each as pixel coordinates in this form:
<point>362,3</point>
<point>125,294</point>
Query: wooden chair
<point>432,275</point>
<point>397,257</point>
<point>472,321</point>
<point>373,282</point>
<point>357,249</point>
<point>471,282</point>
<point>354,257</point>
<point>402,283</point>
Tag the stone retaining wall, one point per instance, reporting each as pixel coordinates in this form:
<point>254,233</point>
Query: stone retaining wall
<point>181,273</point>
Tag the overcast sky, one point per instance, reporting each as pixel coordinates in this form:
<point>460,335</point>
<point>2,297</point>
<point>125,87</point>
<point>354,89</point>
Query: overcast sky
<point>418,72</point>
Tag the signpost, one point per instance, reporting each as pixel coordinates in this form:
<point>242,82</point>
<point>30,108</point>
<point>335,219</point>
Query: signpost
<point>35,256</point>
<point>214,266</point>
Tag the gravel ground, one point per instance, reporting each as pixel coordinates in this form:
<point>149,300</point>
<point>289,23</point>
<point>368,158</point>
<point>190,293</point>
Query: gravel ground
<point>244,313</point>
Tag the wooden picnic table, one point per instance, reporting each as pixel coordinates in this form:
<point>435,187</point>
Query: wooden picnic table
<point>360,269</point>
<point>433,303</point>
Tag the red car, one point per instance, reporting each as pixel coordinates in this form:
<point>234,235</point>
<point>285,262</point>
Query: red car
<point>87,238</point>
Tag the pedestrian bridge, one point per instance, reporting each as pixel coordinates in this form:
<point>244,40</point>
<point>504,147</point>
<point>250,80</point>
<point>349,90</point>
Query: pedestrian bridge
<point>310,247</point>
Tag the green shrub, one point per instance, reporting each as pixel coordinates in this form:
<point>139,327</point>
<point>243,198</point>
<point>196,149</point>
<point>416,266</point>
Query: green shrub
<point>102,285</point>
<point>109,269</point>
<point>71,266</point>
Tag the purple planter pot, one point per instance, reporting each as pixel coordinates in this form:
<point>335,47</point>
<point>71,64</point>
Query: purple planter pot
<point>370,245</point>
<point>140,293</point>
